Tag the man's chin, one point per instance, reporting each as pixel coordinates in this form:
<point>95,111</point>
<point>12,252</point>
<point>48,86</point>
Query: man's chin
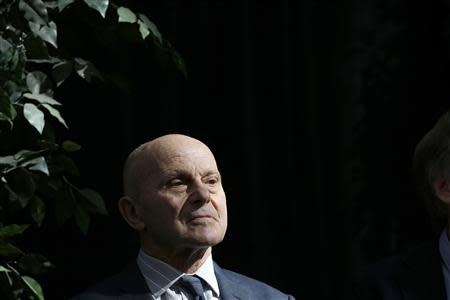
<point>205,241</point>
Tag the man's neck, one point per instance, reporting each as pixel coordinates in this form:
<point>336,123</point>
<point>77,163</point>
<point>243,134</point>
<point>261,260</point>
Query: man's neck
<point>185,260</point>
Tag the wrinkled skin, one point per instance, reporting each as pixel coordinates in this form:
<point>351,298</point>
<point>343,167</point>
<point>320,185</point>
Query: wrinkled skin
<point>178,204</point>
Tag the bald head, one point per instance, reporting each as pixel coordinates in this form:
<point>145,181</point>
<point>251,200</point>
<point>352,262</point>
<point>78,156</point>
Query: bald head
<point>148,158</point>
<point>174,198</point>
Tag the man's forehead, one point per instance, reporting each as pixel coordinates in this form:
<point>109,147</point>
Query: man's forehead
<point>185,150</point>
<point>176,153</point>
<point>186,162</point>
<point>184,172</point>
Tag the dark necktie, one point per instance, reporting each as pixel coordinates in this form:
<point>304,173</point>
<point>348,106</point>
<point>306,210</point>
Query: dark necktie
<point>194,285</point>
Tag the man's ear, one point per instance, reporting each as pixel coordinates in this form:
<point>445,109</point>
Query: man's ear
<point>442,190</point>
<point>129,212</point>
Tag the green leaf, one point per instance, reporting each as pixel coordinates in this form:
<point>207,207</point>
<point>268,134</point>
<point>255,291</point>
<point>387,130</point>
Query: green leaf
<point>143,29</point>
<point>34,11</point>
<point>65,200</point>
<point>63,4</point>
<point>3,269</point>
<point>36,48</point>
<point>46,32</point>
<point>33,287</point>
<point>4,45</point>
<point>54,112</point>
<point>37,164</point>
<point>9,281</point>
<point>86,70</point>
<point>12,230</point>
<point>70,146</point>
<point>13,59</point>
<point>62,71</point>
<point>65,163</point>
<point>35,81</point>
<point>51,5</point>
<point>35,264</point>
<point>95,199</point>
<point>4,117</point>
<point>7,110</point>
<point>126,15</point>
<point>8,249</point>
<point>49,60</point>
<point>150,26</point>
<point>99,5</point>
<point>24,155</point>
<point>9,161</point>
<point>7,57</point>
<point>42,98</point>
<point>34,116</point>
<point>179,62</point>
<point>82,219</point>
<point>37,210</point>
<point>47,145</point>
<point>21,186</point>
<point>13,90</point>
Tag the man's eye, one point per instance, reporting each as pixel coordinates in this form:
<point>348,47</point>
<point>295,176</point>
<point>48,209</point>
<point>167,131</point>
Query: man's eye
<point>212,181</point>
<point>175,182</point>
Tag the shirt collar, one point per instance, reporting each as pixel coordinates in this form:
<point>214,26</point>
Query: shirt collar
<point>444,248</point>
<point>161,276</point>
<point>206,272</point>
<point>158,275</point>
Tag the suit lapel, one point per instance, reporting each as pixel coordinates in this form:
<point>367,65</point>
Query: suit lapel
<point>229,289</point>
<point>133,285</point>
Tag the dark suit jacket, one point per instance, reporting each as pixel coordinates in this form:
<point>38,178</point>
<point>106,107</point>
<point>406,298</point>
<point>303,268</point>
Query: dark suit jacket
<point>415,275</point>
<point>131,285</point>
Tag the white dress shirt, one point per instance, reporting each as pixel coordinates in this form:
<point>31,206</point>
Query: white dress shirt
<point>162,279</point>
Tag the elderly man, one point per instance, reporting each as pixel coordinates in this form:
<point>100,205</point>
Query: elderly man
<point>175,200</point>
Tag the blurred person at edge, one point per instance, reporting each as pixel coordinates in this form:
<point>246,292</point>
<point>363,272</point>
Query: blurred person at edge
<point>423,271</point>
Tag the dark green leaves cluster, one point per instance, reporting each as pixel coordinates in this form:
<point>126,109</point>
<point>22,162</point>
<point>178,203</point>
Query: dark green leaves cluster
<point>32,182</point>
<point>15,285</point>
<point>36,168</point>
<point>148,31</point>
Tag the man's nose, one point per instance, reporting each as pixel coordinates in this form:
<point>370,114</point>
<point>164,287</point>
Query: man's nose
<point>200,193</point>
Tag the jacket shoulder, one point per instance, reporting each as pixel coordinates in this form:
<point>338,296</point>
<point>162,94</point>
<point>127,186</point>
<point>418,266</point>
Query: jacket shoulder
<point>128,282</point>
<point>415,271</point>
<point>258,289</point>
<point>105,289</point>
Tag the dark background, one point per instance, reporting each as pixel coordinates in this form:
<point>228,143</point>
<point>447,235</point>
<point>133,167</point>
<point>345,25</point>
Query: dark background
<point>312,108</point>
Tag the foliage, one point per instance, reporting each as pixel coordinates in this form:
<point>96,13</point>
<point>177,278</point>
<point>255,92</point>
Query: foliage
<point>36,168</point>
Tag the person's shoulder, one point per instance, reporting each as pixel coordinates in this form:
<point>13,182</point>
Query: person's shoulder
<point>98,291</point>
<point>386,277</point>
<point>248,281</point>
<point>259,289</point>
<point>420,256</point>
<point>129,280</point>
<point>104,289</point>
